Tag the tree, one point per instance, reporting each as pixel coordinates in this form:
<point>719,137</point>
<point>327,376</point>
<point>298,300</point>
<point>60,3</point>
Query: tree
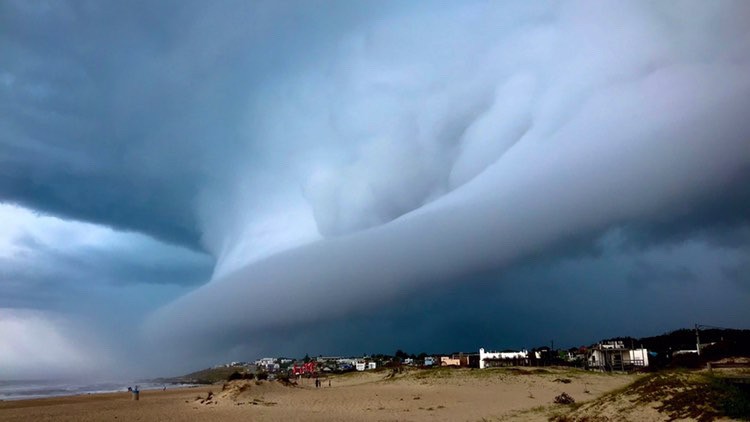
<point>307,358</point>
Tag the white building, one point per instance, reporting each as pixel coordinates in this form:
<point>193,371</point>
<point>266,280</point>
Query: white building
<point>613,355</point>
<point>363,366</point>
<point>521,354</point>
<point>268,364</point>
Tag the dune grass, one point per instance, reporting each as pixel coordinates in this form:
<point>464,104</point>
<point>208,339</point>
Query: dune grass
<point>678,394</point>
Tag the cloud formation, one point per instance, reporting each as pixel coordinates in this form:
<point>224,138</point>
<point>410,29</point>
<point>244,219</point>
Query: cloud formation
<point>447,154</point>
<point>335,161</point>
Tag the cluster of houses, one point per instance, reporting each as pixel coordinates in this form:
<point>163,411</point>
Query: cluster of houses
<point>336,363</point>
<point>622,354</point>
<point>604,356</point>
<point>320,363</point>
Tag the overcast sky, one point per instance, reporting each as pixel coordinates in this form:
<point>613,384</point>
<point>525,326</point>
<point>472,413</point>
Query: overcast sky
<point>185,183</point>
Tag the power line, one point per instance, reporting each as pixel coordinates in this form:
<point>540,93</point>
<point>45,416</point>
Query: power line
<point>698,327</point>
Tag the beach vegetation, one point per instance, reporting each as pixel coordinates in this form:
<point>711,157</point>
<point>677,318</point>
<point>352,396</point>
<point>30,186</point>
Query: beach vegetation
<point>679,394</point>
<point>564,398</point>
<point>693,395</point>
<point>236,375</point>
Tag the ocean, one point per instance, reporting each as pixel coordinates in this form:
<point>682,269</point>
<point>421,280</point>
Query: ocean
<point>19,390</point>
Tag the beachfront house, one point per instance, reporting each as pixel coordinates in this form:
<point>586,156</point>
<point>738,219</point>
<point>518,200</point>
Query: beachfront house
<point>449,361</point>
<point>464,360</point>
<point>363,366</point>
<point>489,359</point>
<point>614,356</point>
<point>267,364</point>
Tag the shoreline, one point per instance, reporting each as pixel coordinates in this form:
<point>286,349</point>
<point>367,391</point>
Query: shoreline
<point>10,397</point>
<point>102,396</point>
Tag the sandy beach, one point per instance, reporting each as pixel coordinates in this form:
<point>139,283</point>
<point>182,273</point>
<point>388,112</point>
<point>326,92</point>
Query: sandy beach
<point>417,395</point>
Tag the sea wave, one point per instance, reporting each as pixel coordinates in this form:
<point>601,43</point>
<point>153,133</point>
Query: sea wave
<point>20,390</point>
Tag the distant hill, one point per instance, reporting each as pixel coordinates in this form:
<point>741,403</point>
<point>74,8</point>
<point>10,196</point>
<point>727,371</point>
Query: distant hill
<point>205,376</point>
<point>734,341</point>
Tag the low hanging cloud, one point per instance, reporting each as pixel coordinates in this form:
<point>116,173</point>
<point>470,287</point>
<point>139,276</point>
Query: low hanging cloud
<point>427,156</point>
<point>45,345</point>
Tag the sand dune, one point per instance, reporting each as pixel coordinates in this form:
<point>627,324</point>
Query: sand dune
<point>670,395</point>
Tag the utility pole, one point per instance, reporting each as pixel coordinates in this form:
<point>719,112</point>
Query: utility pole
<point>697,340</point>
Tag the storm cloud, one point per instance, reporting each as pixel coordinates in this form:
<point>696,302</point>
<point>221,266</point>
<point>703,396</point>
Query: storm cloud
<point>454,153</point>
<point>289,166</point>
